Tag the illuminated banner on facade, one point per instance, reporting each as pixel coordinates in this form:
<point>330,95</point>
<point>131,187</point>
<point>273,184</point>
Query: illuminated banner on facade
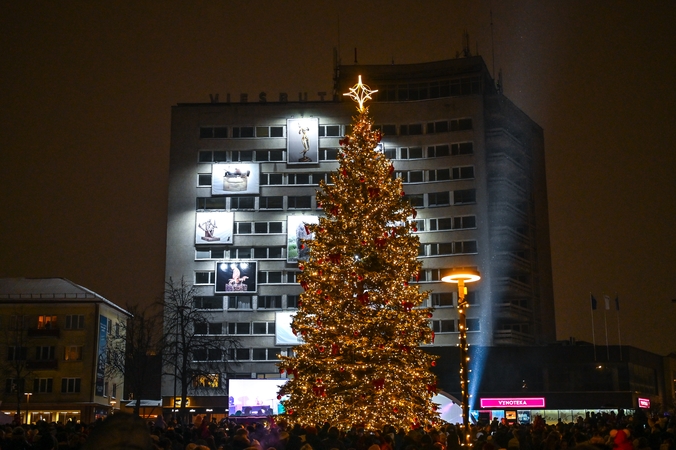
<point>213,227</point>
<point>302,141</point>
<point>101,357</point>
<point>644,403</point>
<point>233,277</point>
<point>283,332</point>
<point>295,233</point>
<point>235,179</point>
<point>504,403</point>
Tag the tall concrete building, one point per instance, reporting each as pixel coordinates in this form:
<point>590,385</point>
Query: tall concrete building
<point>243,177</point>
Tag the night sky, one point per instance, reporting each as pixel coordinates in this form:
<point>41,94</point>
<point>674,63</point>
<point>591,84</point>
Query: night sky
<point>86,90</point>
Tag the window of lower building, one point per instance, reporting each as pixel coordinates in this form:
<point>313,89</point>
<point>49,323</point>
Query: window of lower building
<point>43,385</point>
<point>70,385</point>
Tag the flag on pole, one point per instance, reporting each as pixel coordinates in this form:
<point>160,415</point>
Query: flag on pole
<point>607,300</point>
<point>617,302</point>
<point>593,301</point>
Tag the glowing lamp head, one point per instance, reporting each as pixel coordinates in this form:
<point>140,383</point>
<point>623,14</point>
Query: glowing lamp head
<point>460,274</point>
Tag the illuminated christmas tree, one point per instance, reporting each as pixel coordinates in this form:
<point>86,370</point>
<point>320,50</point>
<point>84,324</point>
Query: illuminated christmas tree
<point>360,321</point>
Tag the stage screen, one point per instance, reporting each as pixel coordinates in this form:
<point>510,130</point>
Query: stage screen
<point>255,397</point>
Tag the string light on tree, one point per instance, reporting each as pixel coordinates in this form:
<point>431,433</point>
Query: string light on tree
<point>360,316</point>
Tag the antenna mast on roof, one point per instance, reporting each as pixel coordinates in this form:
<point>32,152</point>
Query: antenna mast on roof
<point>466,53</point>
<point>492,46</point>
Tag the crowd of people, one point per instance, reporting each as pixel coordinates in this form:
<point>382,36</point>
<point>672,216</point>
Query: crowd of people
<point>607,431</point>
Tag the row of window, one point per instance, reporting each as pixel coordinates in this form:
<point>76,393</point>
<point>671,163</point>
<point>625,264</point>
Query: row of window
<point>440,126</point>
<point>47,322</point>
<point>278,202</point>
<point>432,151</point>
<point>449,325</point>
<point>331,154</point>
<point>263,277</point>
<point>237,328</point>
<point>428,90</point>
<point>305,202</point>
<point>44,353</point>
<point>237,354</point>
<point>443,198</point>
<point>448,174</point>
<point>277,227</point>
<point>217,302</point>
<point>44,385</point>
<point>447,248</point>
<point>276,179</point>
<point>240,252</point>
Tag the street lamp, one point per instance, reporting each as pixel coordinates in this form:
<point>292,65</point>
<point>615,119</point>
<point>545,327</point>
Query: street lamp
<point>28,397</point>
<point>462,276</point>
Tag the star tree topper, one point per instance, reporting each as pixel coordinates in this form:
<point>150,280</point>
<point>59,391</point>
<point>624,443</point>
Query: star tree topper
<point>360,93</point>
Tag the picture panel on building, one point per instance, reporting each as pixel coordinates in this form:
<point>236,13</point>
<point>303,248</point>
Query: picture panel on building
<point>235,276</point>
<point>235,179</point>
<point>214,227</point>
<point>302,141</point>
<point>296,232</point>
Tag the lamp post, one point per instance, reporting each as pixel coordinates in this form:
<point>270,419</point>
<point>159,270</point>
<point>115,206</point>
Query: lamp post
<point>461,276</point>
<point>28,397</point>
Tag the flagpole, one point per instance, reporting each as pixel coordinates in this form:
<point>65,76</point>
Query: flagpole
<point>605,321</point>
<point>619,336</point>
<point>593,307</point>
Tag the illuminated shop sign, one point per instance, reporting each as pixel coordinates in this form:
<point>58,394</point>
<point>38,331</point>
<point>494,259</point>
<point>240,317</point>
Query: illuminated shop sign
<point>530,402</point>
<point>644,403</point>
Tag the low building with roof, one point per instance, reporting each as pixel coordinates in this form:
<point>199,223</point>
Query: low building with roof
<point>53,335</point>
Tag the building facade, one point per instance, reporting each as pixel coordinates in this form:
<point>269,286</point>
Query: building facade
<point>242,183</point>
<point>54,334</point>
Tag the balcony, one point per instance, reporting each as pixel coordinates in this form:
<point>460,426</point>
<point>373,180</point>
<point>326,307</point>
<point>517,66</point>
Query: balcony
<point>44,332</point>
<point>513,312</point>
<point>47,364</point>
<point>510,337</point>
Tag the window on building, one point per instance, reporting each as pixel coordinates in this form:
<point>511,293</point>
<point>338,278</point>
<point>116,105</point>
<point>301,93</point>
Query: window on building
<point>473,325</point>
<point>205,277</point>
<point>73,353</point>
<point>440,175</point>
<point>413,176</point>
<point>328,154</point>
<point>210,203</point>
<point>46,322</point>
<point>461,124</point>
<point>17,322</point>
<point>213,132</point>
<point>14,385</point>
<point>267,227</point>
<point>329,131</point>
<point>269,155</point>
<point>439,199</point>
<point>463,148</point>
<point>239,354</point>
<point>463,196</point>
<point>442,223</point>
<point>411,130</point>
<point>209,302</point>
<point>239,302</point>
<point>464,247</point>
<point>70,385</point>
<point>242,132</point>
<point>241,203</point>
<point>272,276</point>
<point>443,326</point>
<point>443,299</point>
<point>411,152</point>
<point>203,179</point>
<point>300,202</point>
<point>416,200</point>
<point>269,302</point>
<point>271,179</point>
<point>45,352</point>
<point>263,328</point>
<point>205,156</point>
<point>16,353</point>
<point>275,202</point>
<point>43,385</point>
<point>209,253</point>
<point>445,248</point>
<point>464,222</point>
<point>75,322</point>
<point>207,381</point>
<point>292,301</point>
<point>438,151</point>
<point>242,155</point>
<point>463,173</point>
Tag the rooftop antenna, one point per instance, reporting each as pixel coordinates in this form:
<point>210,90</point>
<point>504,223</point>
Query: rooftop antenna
<point>466,53</point>
<point>355,55</point>
<point>492,46</point>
